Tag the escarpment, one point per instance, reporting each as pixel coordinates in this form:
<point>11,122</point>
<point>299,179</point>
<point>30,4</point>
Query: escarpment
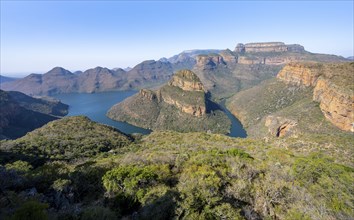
<point>180,105</point>
<point>332,88</point>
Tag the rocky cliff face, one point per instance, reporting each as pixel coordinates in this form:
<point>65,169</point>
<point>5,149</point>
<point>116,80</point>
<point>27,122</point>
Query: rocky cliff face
<point>300,73</point>
<point>336,104</point>
<point>180,105</point>
<point>333,88</point>
<point>187,81</point>
<point>268,47</point>
<point>209,62</point>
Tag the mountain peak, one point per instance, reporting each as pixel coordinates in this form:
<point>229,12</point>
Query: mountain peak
<point>58,71</point>
<point>187,81</point>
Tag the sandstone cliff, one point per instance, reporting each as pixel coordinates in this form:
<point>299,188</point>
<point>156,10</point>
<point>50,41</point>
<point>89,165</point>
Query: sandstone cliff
<point>180,105</point>
<point>268,47</point>
<point>333,88</point>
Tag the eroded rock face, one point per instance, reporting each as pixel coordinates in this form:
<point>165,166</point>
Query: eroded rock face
<point>332,85</point>
<point>228,56</point>
<point>211,61</point>
<point>191,86</point>
<point>179,105</point>
<point>148,94</point>
<point>268,47</point>
<point>187,81</point>
<point>336,105</point>
<point>279,126</point>
<point>300,73</point>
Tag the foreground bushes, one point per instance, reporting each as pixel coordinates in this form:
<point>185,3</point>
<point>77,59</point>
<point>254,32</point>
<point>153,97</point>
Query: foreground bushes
<point>169,175</point>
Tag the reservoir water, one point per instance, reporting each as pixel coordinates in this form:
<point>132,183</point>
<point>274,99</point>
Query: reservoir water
<point>96,105</point>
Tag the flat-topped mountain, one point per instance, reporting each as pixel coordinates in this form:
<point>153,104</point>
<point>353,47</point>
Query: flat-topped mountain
<point>223,72</point>
<point>268,47</point>
<point>20,113</point>
<point>227,72</point>
<point>181,105</point>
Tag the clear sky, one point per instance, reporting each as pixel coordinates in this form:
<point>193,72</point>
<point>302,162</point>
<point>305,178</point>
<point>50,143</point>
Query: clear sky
<point>39,35</point>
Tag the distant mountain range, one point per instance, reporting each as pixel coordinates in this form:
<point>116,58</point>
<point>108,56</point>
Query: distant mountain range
<point>223,72</point>
<point>4,79</point>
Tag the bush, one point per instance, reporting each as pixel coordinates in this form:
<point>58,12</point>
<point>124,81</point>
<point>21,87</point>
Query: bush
<point>31,210</point>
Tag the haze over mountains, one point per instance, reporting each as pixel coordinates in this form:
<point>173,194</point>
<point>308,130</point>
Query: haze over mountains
<point>246,65</point>
<point>297,108</point>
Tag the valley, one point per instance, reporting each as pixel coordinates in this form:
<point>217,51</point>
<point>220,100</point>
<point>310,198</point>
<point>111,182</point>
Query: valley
<point>184,154</point>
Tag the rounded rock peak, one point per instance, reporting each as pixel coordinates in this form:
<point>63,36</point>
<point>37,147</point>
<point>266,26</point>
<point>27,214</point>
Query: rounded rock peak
<point>187,75</point>
<point>187,81</point>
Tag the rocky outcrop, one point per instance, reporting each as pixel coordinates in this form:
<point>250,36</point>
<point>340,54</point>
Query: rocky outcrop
<point>332,85</point>
<point>187,81</point>
<point>190,86</point>
<point>268,47</point>
<point>279,126</point>
<point>228,56</point>
<point>180,105</point>
<point>251,60</point>
<point>148,94</point>
<point>209,62</point>
<point>336,105</point>
<point>300,73</point>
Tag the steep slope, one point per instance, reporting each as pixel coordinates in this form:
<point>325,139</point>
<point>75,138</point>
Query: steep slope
<point>45,105</point>
<point>21,114</point>
<point>308,105</point>
<point>180,105</point>
<point>58,80</point>
<point>227,72</point>
<point>149,73</point>
<point>101,79</point>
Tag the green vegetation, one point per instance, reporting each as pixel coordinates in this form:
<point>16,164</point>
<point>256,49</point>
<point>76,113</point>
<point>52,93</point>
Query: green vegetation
<point>173,108</point>
<point>67,139</point>
<point>168,175</point>
<point>312,133</point>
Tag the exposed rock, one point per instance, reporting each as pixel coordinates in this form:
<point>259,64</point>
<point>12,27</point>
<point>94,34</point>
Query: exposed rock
<point>251,60</point>
<point>240,48</point>
<point>279,127</point>
<point>186,80</point>
<point>336,105</point>
<point>300,73</point>
<point>180,105</point>
<point>228,56</point>
<point>332,88</point>
<point>210,61</point>
<point>268,47</point>
<point>148,94</point>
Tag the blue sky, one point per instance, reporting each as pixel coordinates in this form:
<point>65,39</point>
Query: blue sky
<point>77,35</point>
